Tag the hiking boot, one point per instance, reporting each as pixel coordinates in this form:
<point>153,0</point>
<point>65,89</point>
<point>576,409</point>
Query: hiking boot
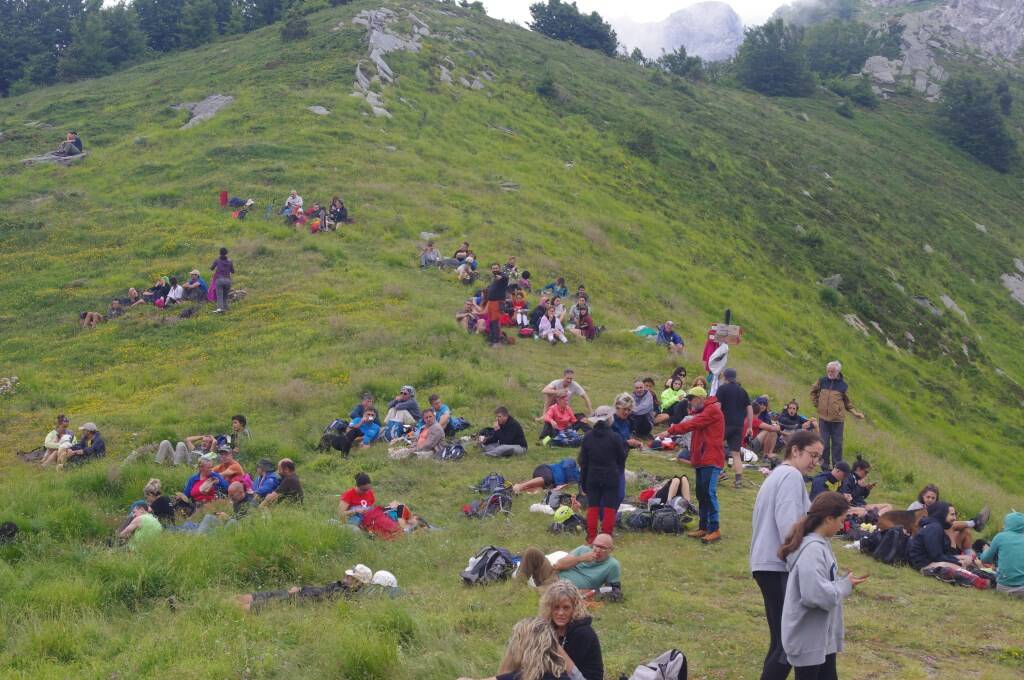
<point>699,533</point>
<point>713,537</point>
<point>982,518</point>
<point>737,483</point>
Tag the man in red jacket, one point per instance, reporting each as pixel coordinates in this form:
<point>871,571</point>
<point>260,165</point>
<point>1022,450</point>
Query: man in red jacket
<point>707,455</point>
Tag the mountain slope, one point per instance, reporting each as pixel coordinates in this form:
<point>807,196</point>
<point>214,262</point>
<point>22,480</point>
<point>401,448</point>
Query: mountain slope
<point>710,30</point>
<point>707,220</point>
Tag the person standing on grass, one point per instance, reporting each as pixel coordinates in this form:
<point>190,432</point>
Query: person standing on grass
<point>707,455</point>
<point>739,416</point>
<point>781,501</point>
<point>222,269</point>
<point>496,293</point>
<point>812,616</point>
<point>830,397</point>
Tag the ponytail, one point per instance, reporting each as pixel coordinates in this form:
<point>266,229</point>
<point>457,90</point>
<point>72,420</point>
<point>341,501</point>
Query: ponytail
<point>827,505</point>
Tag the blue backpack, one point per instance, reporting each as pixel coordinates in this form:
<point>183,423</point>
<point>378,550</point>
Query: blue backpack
<point>567,438</point>
<point>490,483</point>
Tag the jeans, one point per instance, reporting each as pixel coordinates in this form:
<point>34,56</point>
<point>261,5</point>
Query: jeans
<point>223,288</point>
<point>773,591</point>
<point>176,455</point>
<point>832,438</point>
<point>503,450</point>
<point>825,671</point>
<point>707,497</point>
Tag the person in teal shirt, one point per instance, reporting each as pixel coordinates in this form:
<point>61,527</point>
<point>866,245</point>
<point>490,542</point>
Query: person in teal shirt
<point>1007,552</point>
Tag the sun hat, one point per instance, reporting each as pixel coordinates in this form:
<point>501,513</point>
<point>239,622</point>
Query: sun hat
<point>361,573</point>
<point>384,578</point>
<point>603,414</point>
<point>697,392</point>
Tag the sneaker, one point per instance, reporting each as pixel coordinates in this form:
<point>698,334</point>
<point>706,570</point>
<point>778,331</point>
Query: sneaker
<point>982,518</point>
<point>699,533</point>
<point>713,537</point>
<point>546,440</point>
<point>218,311</point>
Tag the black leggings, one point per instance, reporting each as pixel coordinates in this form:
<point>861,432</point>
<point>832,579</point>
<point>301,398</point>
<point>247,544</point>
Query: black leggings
<point>825,671</point>
<point>641,425</point>
<point>773,591</point>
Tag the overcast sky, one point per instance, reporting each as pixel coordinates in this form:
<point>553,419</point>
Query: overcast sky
<point>751,11</point>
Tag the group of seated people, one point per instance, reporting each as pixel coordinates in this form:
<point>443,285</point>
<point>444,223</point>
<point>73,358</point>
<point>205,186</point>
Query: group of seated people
<point>318,217</point>
<point>165,291</point>
<point>357,507</point>
<point>62,447</point>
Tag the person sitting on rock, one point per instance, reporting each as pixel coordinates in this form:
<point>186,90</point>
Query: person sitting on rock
<point>195,288</point>
<point>71,146</point>
<point>429,441</point>
<point>355,579</point>
<point>668,338</point>
<point>430,256</point>
<point>507,438</point>
<point>292,204</point>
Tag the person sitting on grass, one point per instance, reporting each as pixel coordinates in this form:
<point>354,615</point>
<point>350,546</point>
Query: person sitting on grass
<point>239,431</point>
<point>159,503</point>
<point>622,422</point>
<point>557,418</point>
<point>556,289</point>
<point>791,421</point>
<point>267,480</point>
<point>533,653</point>
<point>201,488</point>
<point>90,447</point>
<point>430,256</point>
<point>403,412</point>
<point>642,418</point>
<point>960,532</point>
<point>550,476</point>
<point>765,440</point>
<point>1006,551</point>
<point>175,292</point>
<point>550,328</point>
<point>830,481</point>
<point>115,310</point>
<point>157,291</point>
<point>669,339</point>
<point>466,270</point>
<point>564,607</point>
<point>472,317</point>
<point>931,545</point>
<point>366,403</point>
<point>507,438</point>
<point>442,413</point>
<point>856,489</point>
<point>290,488</point>
<point>588,567</point>
<point>568,386</point>
<point>241,503</point>
<point>674,406</point>
<point>365,430</point>
<point>184,453</point>
<point>538,312</point>
<point>583,325</point>
<point>429,441</point>
<point>337,213</point>
<point>71,146</point>
<point>357,500</point>
<point>51,444</point>
<point>134,298</point>
<point>195,288</point>
<point>229,468</point>
<point>292,204</point>
<point>143,525</point>
<point>355,579</point>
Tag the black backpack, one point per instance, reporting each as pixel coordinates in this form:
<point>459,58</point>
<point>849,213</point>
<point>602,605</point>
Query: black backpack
<point>491,483</point>
<point>499,501</point>
<point>892,548</point>
<point>638,520</point>
<point>666,521</point>
<point>490,566</point>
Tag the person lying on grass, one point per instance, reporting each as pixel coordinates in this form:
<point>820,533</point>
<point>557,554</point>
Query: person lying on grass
<point>554,476</point>
<point>354,580</point>
<point>588,567</point>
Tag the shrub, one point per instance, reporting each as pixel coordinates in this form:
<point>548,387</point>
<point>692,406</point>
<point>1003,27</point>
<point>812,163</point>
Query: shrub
<point>856,89</point>
<point>974,122</point>
<point>829,297</point>
<point>643,144</point>
<point>772,60</point>
<point>549,89</point>
<point>844,109</point>
<point>295,27</point>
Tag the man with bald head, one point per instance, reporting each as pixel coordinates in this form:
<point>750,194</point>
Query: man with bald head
<point>588,567</point>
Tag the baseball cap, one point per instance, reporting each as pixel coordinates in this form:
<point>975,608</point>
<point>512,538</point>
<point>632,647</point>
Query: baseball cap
<point>224,448</point>
<point>603,414</point>
<point>697,392</point>
<point>89,427</point>
<point>361,573</point>
<point>384,578</point>
<point>763,400</point>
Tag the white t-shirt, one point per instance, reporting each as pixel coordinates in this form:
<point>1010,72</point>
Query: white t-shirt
<point>175,293</point>
<point>294,201</point>
<point>574,389</point>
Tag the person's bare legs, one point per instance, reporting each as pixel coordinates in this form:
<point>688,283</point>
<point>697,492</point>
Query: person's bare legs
<point>529,486</point>
<point>737,466</point>
<point>673,488</point>
<point>245,602</point>
<point>961,537</point>
<point>685,484</point>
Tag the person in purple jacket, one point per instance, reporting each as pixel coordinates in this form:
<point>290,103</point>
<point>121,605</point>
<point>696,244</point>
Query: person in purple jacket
<point>222,269</point>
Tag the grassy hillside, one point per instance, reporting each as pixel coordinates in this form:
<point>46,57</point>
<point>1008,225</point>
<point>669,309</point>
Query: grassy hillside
<point>666,199</point>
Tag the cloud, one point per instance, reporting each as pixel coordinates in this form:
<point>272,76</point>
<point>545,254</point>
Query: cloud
<point>752,12</point>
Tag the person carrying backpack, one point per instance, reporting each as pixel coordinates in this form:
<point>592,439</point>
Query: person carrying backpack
<point>812,616</point>
<point>602,471</point>
<point>830,397</point>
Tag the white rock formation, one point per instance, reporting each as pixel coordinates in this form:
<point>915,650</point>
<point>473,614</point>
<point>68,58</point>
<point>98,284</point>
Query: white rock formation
<point>205,109</point>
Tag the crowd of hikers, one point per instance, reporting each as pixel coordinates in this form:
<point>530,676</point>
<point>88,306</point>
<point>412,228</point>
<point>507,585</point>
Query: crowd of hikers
<point>317,217</point>
<point>168,291</point>
<point>810,494</point>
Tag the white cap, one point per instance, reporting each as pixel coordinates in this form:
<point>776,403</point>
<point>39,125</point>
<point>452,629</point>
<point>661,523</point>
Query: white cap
<point>384,578</point>
<point>361,573</point>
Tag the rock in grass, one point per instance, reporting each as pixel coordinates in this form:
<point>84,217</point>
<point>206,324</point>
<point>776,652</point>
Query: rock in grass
<point>833,281</point>
<point>205,109</point>
<point>319,110</point>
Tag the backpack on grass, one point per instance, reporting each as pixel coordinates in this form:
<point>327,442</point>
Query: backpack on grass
<point>668,666</point>
<point>489,565</point>
<point>491,483</point>
<point>452,452</point>
<point>666,521</point>
<point>892,547</point>
<point>498,502</point>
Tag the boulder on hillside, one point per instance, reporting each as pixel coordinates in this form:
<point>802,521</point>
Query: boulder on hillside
<point>833,281</point>
<point>203,110</point>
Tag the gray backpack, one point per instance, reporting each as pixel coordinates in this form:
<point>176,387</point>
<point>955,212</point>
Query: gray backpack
<point>669,666</point>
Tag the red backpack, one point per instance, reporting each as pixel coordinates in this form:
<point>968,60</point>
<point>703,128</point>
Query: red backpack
<point>379,523</point>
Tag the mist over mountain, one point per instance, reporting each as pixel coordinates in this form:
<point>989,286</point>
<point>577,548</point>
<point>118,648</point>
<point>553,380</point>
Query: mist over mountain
<point>711,30</point>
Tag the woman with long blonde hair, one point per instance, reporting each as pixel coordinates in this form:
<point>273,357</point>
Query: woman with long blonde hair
<point>532,654</point>
<point>563,606</point>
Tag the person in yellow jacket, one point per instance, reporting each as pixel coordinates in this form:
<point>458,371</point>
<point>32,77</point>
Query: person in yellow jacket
<point>830,397</point>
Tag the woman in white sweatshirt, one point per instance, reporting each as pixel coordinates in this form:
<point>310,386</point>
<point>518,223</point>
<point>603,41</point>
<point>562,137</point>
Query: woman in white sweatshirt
<point>812,616</point>
<point>550,328</point>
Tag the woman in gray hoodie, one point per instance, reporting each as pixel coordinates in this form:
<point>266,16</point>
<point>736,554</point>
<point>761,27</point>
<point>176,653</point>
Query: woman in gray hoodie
<point>812,616</point>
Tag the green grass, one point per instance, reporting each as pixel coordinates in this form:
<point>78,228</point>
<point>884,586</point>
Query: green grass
<point>711,224</point>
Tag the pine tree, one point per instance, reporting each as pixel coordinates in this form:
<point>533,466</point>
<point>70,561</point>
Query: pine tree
<point>974,122</point>
<point>563,21</point>
<point>198,23</point>
<point>772,60</point>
